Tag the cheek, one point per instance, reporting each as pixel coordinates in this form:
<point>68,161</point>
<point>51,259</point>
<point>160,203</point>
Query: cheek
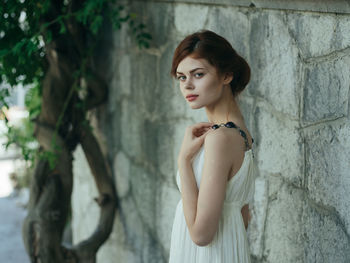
<point>182,89</point>
<point>211,88</point>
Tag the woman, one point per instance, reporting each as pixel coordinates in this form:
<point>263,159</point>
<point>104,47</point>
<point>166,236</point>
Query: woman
<point>215,164</point>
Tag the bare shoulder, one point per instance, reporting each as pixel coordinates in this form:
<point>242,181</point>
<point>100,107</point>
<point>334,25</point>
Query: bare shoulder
<point>218,136</point>
<point>227,147</point>
<point>225,138</point>
<point>219,146</point>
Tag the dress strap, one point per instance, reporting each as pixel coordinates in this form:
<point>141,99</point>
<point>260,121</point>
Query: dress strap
<point>244,135</point>
<point>230,124</point>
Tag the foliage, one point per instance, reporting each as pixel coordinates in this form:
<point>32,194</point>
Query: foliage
<point>18,135</point>
<point>23,37</point>
<point>22,135</point>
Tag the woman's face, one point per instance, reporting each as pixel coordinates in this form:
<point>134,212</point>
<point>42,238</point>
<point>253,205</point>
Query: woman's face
<point>200,83</point>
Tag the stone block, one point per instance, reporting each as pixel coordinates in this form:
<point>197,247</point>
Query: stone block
<point>319,34</point>
<point>326,90</point>
<point>85,211</point>
<point>344,31</point>
<point>122,38</point>
<point>121,81</point>
<point>133,226</point>
<point>325,238</point>
<point>164,152</point>
<point>144,82</point>
<point>167,199</point>
<point>325,6</point>
<point>116,246</point>
<point>247,106</point>
<point>153,250</point>
<point>190,18</point>
<point>156,145</point>
<point>111,252</point>
<point>169,91</point>
<point>122,174</point>
<point>328,166</point>
<point>275,66</point>
<point>139,104</point>
<point>256,227</point>
<point>232,24</point>
<point>150,142</point>
<point>275,183</point>
<point>284,241</point>
<point>159,20</point>
<point>130,130</point>
<point>144,192</point>
<point>279,146</point>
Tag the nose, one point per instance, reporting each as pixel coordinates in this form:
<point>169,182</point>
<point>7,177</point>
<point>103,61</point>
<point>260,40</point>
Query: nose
<point>188,84</point>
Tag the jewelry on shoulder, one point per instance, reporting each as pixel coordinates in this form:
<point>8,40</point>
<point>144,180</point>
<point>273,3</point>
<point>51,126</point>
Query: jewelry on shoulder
<point>229,124</point>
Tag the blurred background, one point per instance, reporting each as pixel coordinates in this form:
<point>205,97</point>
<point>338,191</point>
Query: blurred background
<point>14,182</point>
<point>92,123</point>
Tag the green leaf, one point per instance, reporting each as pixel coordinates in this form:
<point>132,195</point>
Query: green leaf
<point>96,24</point>
<point>48,36</point>
<point>17,49</point>
<point>146,36</point>
<point>62,27</point>
<point>117,25</point>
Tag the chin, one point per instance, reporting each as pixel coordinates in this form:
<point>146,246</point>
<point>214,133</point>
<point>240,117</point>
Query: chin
<point>196,107</point>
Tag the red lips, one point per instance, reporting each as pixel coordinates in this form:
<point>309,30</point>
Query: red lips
<point>191,97</point>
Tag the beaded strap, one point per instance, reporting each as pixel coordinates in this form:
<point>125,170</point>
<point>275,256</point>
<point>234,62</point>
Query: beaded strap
<point>230,124</point>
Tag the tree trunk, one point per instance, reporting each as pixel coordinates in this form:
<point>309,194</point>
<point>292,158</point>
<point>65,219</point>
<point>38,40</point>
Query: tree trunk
<point>51,189</point>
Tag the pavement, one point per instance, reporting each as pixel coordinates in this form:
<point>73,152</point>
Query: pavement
<point>11,217</point>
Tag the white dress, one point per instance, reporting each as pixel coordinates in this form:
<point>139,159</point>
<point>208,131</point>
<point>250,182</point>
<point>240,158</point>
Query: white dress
<point>230,244</point>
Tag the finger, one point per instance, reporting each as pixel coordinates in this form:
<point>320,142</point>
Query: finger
<point>206,132</point>
<point>202,135</point>
<point>202,130</point>
<point>202,125</point>
<point>201,138</point>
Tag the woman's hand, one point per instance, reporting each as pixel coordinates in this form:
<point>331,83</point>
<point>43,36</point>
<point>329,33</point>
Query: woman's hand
<point>193,140</point>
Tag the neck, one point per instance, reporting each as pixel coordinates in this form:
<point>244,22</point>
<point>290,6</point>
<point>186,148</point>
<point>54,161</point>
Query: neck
<point>224,110</point>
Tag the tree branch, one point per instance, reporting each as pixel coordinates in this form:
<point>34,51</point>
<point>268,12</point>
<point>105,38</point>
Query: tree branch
<point>107,199</point>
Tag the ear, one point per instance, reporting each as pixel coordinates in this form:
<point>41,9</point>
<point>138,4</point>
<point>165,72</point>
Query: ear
<point>228,77</point>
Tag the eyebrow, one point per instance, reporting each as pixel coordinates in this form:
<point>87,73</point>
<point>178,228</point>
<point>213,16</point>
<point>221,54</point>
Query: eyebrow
<point>177,72</point>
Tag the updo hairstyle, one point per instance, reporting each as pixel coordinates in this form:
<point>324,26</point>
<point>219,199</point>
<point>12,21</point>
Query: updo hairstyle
<point>218,52</point>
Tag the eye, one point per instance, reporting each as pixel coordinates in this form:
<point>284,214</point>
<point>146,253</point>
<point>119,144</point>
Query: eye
<point>198,74</point>
<point>181,77</point>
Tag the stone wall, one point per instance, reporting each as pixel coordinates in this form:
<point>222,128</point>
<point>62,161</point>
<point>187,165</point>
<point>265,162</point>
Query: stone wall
<point>296,108</point>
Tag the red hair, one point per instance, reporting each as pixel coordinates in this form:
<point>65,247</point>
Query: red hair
<point>218,52</point>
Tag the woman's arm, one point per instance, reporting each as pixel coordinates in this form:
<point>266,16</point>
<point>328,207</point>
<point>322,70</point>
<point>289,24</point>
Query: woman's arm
<point>203,207</point>
<point>189,193</point>
<point>193,140</point>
